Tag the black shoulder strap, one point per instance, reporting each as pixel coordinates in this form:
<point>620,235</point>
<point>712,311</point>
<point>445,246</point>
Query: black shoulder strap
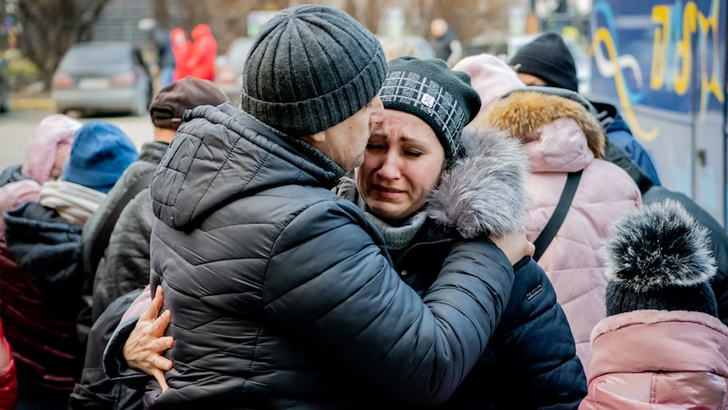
<point>94,250</point>
<point>557,219</point>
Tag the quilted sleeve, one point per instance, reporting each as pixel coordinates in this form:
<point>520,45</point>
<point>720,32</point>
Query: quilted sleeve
<point>332,286</point>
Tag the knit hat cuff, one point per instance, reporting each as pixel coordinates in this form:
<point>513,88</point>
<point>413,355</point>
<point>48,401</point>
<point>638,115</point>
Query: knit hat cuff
<point>545,70</point>
<point>308,117</point>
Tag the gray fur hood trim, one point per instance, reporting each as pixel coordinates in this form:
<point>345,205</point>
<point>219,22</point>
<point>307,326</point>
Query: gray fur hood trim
<point>484,191</point>
<point>659,246</point>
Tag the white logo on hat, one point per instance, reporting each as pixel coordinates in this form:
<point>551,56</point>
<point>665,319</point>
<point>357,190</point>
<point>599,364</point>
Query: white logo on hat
<point>428,100</point>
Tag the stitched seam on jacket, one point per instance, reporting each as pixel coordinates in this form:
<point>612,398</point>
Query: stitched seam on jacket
<point>252,359</point>
<point>320,273</point>
<point>521,328</point>
<point>224,163</point>
<point>275,242</point>
<point>227,158</point>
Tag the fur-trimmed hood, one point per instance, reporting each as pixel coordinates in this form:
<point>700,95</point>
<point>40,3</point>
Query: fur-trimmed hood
<point>483,192</point>
<point>523,113</point>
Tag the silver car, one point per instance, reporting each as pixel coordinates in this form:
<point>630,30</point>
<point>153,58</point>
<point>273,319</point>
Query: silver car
<point>101,77</point>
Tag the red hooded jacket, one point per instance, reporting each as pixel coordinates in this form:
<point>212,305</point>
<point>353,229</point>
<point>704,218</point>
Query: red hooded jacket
<point>204,51</point>
<point>181,47</point>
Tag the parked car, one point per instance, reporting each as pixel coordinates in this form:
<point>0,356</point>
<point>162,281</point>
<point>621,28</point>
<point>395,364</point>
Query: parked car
<point>102,77</point>
<point>229,68</point>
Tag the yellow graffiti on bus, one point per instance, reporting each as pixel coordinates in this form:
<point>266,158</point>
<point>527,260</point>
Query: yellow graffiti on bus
<point>693,22</point>
<point>602,36</point>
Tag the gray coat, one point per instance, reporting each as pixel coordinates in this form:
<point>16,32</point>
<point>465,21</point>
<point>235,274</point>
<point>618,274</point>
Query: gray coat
<point>284,296</point>
<point>128,250</point>
<point>125,265</point>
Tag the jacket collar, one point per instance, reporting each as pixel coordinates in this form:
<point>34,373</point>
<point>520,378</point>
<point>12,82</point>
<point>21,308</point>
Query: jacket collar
<point>153,152</point>
<point>659,341</point>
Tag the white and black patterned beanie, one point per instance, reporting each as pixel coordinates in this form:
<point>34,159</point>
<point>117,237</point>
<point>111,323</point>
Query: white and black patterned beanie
<point>430,90</point>
<point>310,68</point>
<point>659,258</point>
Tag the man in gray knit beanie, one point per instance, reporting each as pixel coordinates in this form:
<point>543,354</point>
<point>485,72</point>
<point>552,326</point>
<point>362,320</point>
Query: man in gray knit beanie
<point>311,69</point>
<point>281,294</point>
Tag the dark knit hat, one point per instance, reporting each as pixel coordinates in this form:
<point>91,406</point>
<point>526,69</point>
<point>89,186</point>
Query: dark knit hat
<point>659,258</point>
<point>100,153</point>
<point>310,68</point>
<point>430,90</point>
<point>171,101</point>
<point>548,58</point>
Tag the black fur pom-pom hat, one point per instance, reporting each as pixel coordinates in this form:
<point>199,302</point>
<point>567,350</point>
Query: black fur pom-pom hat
<point>659,258</point>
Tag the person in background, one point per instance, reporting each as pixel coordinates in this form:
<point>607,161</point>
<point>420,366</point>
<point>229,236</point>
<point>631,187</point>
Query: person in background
<point>47,151</point>
<point>563,141</point>
<point>662,345</point>
<point>181,47</point>
<point>40,292</point>
<point>446,45</point>
<point>201,63</point>
<point>547,61</point>
<point>165,56</point>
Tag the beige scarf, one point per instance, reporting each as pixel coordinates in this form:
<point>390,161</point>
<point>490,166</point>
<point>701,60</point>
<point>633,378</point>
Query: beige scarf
<point>73,202</point>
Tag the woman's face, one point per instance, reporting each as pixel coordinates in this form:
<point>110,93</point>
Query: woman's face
<point>403,162</point>
<point>63,152</point>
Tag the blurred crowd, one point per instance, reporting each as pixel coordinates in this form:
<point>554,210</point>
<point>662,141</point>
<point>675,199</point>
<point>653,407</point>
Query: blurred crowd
<point>357,233</point>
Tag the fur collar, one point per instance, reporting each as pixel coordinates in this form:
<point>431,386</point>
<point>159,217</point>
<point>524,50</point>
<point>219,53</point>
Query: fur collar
<point>484,191</point>
<point>521,114</point>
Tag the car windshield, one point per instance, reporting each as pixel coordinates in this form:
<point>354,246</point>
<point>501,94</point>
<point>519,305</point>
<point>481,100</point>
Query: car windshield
<point>95,56</point>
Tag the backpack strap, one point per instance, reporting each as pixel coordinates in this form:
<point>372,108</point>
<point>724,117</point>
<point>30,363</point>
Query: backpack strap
<point>557,219</point>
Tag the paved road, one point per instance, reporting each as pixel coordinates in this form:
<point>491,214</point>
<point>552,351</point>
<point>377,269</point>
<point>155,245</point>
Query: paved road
<point>17,127</point>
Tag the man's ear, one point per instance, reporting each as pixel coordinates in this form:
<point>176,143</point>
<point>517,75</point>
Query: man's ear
<point>319,137</point>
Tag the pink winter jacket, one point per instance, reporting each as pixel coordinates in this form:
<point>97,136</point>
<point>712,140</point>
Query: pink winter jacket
<point>658,360</point>
<point>560,136</point>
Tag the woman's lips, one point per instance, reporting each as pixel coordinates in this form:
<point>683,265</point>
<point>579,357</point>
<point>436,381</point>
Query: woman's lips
<point>388,193</point>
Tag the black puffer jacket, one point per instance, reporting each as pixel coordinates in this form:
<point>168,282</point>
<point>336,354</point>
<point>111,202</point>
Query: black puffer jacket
<point>283,295</point>
<point>532,350</point>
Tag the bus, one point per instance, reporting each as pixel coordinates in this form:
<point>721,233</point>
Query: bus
<point>664,64</point>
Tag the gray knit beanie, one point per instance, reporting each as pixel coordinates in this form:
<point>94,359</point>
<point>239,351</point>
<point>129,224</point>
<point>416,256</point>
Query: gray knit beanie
<point>311,67</point>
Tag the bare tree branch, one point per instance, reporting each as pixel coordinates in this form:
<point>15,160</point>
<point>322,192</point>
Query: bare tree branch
<point>51,27</point>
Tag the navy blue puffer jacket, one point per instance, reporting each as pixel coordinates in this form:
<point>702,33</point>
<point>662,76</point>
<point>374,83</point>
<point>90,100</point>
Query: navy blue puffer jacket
<point>283,295</point>
<point>530,362</point>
